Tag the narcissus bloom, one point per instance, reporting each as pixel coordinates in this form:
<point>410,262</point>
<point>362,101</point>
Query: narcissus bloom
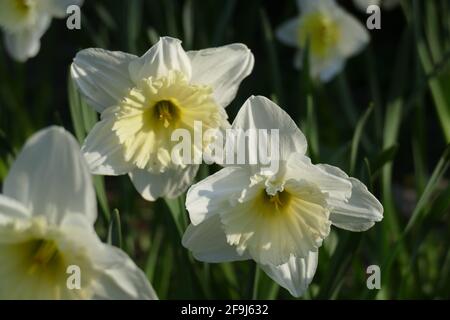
<point>24,22</point>
<point>47,213</point>
<point>143,100</point>
<point>333,36</point>
<point>278,219</point>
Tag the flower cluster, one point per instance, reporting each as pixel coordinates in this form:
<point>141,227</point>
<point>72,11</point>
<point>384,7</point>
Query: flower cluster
<point>278,218</point>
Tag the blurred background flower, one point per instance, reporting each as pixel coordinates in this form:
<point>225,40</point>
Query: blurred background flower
<point>327,32</point>
<point>46,231</point>
<point>24,22</point>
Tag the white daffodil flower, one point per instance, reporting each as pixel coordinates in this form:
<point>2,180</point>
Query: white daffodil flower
<point>278,219</point>
<point>333,36</point>
<point>24,22</point>
<point>47,213</point>
<point>386,4</point>
<point>142,100</point>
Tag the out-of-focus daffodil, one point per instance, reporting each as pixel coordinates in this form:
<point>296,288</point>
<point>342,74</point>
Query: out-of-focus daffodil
<point>278,219</point>
<point>333,36</point>
<point>24,22</point>
<point>385,4</point>
<point>143,100</point>
<point>47,212</point>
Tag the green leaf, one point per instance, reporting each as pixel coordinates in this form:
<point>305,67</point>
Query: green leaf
<point>223,23</point>
<point>134,21</point>
<point>357,138</point>
<point>178,210</point>
<point>441,100</point>
<point>393,120</point>
<point>115,230</point>
<point>339,263</point>
<point>275,73</point>
<point>188,24</point>
<point>75,110</point>
<point>99,185</point>
<point>346,98</point>
<point>84,118</point>
<point>153,255</point>
<point>384,158</point>
<point>170,18</point>
<point>438,173</point>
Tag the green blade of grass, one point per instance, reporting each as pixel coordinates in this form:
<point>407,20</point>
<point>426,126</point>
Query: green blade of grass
<point>441,102</point>
<point>134,21</point>
<point>375,91</point>
<point>178,210</point>
<point>339,264</point>
<point>115,230</point>
<point>188,24</point>
<point>417,215</point>
<point>393,121</point>
<point>438,173</point>
<point>223,23</point>
<point>357,138</point>
<point>83,119</point>
<point>153,254</point>
<point>275,74</point>
<point>382,159</point>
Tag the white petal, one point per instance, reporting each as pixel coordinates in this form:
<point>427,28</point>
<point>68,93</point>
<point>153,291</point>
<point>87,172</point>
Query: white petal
<point>261,113</point>
<point>208,242</point>
<point>165,55</point>
<point>287,33</point>
<point>295,275</point>
<point>51,178</point>
<point>58,8</point>
<point>362,209</point>
<point>102,76</point>
<point>123,280</point>
<point>11,209</point>
<point>322,69</point>
<point>103,152</point>
<point>326,70</point>
<point>26,43</point>
<point>170,183</point>
<point>222,68</point>
<point>209,196</point>
<point>115,275</point>
<point>354,34</point>
<point>300,167</point>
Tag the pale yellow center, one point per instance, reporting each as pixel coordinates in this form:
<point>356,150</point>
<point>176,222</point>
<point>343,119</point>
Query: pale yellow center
<point>34,260</point>
<point>16,15</point>
<point>166,112</point>
<point>23,6</point>
<point>322,32</point>
<point>44,257</point>
<point>274,226</point>
<point>274,205</point>
<point>146,118</point>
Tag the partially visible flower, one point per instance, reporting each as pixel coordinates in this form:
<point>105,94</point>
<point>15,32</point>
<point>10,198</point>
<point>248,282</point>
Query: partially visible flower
<point>24,22</point>
<point>143,100</point>
<point>47,213</point>
<point>333,36</point>
<point>386,4</point>
<point>278,219</point>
